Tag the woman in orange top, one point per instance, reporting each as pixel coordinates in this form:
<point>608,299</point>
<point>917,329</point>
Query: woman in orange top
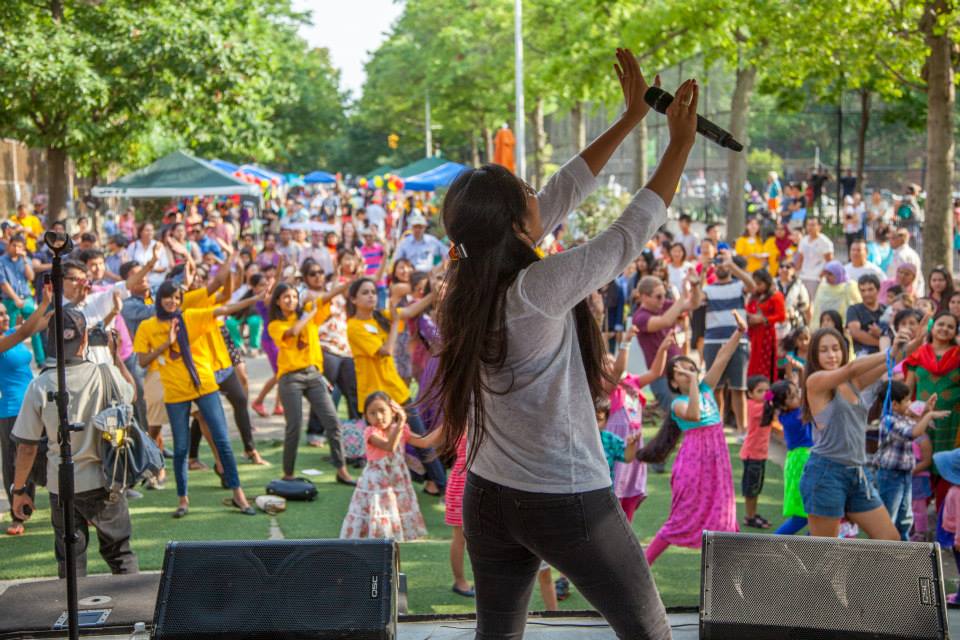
<point>177,341</point>
<point>295,330</point>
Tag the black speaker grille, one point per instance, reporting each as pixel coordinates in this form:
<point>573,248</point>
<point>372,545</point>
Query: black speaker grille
<point>277,589</point>
<point>889,589</point>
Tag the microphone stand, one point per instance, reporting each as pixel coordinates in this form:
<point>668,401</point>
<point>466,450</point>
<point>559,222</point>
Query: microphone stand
<point>61,244</point>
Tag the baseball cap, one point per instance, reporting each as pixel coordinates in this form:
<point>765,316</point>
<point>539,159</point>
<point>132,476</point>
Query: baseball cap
<point>74,330</point>
<point>416,218</point>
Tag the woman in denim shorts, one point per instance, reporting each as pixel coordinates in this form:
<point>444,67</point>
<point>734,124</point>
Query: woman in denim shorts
<point>836,482</point>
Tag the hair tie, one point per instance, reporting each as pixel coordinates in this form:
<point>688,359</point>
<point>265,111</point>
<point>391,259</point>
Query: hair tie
<point>768,396</point>
<point>457,252</point>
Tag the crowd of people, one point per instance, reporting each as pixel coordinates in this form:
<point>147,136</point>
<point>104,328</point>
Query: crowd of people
<point>351,300</point>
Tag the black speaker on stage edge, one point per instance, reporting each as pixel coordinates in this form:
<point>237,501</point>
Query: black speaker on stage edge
<point>768,587</point>
<point>278,590</point>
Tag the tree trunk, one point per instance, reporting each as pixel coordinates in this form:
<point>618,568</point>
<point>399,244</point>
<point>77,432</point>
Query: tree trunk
<point>95,214</point>
<point>56,183</point>
<point>474,149</point>
<point>579,126</point>
<point>865,95</point>
<point>488,140</point>
<point>737,162</point>
<point>640,155</point>
<point>539,145</point>
<point>941,97</point>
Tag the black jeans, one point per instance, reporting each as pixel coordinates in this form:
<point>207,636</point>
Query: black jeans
<point>112,522</point>
<point>583,535</point>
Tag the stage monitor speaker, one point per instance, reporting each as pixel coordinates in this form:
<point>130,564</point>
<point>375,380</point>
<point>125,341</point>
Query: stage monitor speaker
<point>767,587</point>
<point>278,589</point>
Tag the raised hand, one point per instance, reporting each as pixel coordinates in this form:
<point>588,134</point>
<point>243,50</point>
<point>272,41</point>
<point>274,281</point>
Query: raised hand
<point>633,84</point>
<point>682,114</point>
<point>930,404</point>
<point>174,326</point>
<point>741,325</point>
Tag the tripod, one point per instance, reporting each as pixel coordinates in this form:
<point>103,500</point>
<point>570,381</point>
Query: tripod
<point>60,244</point>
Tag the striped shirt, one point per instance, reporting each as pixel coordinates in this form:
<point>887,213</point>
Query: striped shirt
<point>722,301</point>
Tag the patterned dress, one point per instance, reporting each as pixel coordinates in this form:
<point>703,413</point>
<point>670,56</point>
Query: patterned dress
<point>630,479</point>
<point>702,480</point>
<point>384,504</point>
<point>947,388</point>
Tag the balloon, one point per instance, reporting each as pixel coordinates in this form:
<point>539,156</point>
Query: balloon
<point>392,185</point>
<point>378,182</point>
<point>400,183</point>
<point>363,183</point>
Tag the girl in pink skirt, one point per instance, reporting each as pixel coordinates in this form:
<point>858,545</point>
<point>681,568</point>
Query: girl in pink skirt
<point>702,479</point>
<point>626,418</point>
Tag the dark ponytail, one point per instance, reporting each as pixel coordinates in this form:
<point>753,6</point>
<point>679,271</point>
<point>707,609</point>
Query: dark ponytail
<point>777,401</point>
<point>482,211</point>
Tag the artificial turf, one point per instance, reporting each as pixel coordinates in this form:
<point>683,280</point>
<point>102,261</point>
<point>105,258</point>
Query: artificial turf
<point>677,571</point>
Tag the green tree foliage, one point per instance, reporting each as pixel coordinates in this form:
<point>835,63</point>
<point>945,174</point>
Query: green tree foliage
<point>118,82</point>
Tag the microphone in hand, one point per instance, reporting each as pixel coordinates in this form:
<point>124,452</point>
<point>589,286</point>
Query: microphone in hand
<point>659,100</point>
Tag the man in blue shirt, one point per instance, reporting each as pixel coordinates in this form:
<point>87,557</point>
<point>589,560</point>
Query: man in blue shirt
<point>423,250</point>
<point>16,272</point>
<point>208,243</point>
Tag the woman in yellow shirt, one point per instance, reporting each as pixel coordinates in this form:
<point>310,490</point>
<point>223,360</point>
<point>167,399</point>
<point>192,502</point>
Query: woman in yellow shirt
<point>373,335</point>
<point>750,246</point>
<point>177,341</point>
<point>296,332</point>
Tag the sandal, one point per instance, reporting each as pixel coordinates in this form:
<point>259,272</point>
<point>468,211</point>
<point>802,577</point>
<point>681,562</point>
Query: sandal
<point>247,510</point>
<point>196,465</point>
<point>466,593</point>
<point>15,529</point>
<point>181,511</point>
<point>278,410</point>
<point>756,522</point>
<point>260,409</point>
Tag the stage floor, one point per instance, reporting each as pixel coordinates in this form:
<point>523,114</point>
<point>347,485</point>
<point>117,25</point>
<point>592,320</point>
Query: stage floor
<point>131,598</point>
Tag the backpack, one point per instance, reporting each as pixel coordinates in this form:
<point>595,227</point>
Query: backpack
<point>129,456</point>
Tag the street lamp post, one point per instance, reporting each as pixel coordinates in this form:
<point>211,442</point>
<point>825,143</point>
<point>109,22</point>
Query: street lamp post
<point>520,136</point>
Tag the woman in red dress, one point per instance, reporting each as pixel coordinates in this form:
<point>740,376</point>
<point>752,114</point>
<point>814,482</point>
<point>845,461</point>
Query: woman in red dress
<point>764,310</point>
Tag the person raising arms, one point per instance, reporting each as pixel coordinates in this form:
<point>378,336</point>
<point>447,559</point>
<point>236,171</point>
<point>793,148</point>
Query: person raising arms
<point>520,365</point>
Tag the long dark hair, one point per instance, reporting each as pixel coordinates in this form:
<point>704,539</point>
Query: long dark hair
<point>658,449</point>
<point>813,362</point>
<point>939,315</point>
<point>482,211</point>
<point>944,303</point>
<point>352,308</point>
<point>276,313</point>
<point>762,275</point>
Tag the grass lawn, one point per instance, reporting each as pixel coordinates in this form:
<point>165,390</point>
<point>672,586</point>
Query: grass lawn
<point>426,563</point>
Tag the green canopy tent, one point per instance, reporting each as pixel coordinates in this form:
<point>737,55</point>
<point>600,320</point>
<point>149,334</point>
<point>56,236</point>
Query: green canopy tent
<point>420,166</point>
<point>178,174</point>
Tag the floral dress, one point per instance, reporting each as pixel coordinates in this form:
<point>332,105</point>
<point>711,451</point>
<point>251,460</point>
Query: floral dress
<point>384,504</point>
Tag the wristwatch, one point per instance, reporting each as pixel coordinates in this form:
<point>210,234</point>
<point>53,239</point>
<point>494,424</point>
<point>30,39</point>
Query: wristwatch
<point>18,492</point>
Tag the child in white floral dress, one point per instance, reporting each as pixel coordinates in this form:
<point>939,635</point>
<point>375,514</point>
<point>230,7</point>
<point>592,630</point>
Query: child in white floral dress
<point>384,504</point>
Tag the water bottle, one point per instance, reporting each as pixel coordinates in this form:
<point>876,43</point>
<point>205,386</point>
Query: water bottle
<point>140,632</point>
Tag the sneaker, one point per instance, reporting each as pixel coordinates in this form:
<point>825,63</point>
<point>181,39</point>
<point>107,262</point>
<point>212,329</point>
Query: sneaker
<point>278,410</point>
<point>133,494</point>
<point>260,409</point>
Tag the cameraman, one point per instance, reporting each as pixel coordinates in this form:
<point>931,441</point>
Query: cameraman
<point>38,417</point>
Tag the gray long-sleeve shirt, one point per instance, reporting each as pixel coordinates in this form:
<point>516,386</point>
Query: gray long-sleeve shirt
<point>542,436</point>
